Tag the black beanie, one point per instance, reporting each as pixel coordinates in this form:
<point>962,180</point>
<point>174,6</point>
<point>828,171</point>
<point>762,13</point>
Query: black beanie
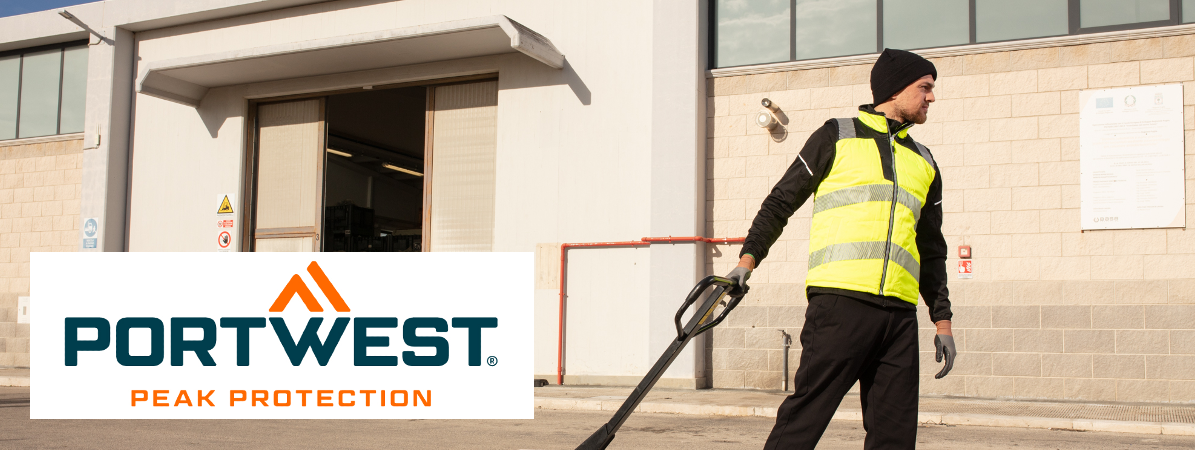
<point>896,69</point>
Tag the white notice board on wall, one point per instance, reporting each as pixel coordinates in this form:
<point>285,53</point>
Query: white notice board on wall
<point>1131,157</point>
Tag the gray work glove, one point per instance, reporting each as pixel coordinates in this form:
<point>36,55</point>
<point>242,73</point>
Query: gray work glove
<point>945,345</point>
<point>740,276</point>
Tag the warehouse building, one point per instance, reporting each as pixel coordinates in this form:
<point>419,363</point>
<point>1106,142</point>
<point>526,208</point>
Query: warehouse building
<point>530,126</point>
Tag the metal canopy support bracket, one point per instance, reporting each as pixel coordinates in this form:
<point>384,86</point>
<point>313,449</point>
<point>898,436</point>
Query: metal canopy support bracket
<point>187,80</point>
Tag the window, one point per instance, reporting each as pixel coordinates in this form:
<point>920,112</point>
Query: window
<point>1102,13</point>
<point>10,85</point>
<point>926,23</point>
<point>1003,20</point>
<point>745,32</point>
<point>752,32</point>
<point>822,28</point>
<point>43,91</point>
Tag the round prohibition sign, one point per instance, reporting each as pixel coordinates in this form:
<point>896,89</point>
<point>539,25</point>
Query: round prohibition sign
<point>225,239</point>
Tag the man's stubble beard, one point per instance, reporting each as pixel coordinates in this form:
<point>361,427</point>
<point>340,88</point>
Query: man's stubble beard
<point>913,116</point>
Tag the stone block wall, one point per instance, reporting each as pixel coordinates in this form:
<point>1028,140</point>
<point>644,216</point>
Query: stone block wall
<point>40,186</point>
<point>1052,312</point>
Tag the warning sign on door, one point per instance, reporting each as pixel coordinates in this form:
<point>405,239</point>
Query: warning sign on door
<point>225,205</point>
<point>225,222</point>
<point>964,269</point>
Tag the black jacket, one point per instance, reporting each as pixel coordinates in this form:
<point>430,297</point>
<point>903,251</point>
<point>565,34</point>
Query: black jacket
<point>798,184</point>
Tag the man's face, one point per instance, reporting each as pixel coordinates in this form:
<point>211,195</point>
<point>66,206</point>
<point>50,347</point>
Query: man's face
<point>912,103</point>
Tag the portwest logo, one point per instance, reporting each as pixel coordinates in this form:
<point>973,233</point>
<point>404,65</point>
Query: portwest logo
<point>296,286</point>
<point>417,333</point>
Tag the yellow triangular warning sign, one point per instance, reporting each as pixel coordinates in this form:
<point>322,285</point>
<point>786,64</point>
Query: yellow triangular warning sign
<point>225,206</point>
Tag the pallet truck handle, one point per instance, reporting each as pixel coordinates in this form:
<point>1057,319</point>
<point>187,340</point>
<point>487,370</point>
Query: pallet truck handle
<point>697,325</point>
<point>734,301</point>
<point>695,294</point>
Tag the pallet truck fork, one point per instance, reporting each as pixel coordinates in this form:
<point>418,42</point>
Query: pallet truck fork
<point>699,323</point>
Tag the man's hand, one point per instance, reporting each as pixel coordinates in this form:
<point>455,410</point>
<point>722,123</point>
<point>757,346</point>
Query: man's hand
<point>944,344</point>
<point>740,274</point>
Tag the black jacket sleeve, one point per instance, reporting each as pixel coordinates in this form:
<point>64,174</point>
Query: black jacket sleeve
<point>794,188</point>
<point>932,246</point>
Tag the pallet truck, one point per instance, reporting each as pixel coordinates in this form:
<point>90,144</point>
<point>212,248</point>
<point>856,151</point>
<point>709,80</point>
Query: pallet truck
<point>699,323</point>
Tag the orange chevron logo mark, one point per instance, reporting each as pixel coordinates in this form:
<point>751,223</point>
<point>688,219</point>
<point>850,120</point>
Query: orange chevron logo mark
<point>297,286</point>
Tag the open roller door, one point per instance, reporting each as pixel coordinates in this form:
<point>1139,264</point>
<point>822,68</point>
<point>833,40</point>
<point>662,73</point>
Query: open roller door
<point>464,141</point>
<point>290,155</point>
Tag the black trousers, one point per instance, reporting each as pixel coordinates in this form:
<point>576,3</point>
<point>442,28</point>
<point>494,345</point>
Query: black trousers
<point>847,340</point>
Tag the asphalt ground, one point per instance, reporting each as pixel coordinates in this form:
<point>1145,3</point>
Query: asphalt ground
<point>549,430</point>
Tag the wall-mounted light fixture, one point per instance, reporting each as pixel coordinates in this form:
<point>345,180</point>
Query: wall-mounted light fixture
<point>96,37</point>
<point>764,118</point>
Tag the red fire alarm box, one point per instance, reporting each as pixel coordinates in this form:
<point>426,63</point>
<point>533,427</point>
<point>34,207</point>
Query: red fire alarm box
<point>964,251</point>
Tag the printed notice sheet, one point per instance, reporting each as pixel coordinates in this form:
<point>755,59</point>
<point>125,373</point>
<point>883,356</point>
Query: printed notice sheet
<point>1131,157</point>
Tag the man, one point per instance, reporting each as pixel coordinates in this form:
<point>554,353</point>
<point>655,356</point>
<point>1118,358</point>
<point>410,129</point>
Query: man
<point>876,242</point>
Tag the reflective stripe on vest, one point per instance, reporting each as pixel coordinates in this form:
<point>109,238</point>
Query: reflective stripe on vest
<point>866,209</point>
<point>868,193</point>
<point>846,128</point>
<point>865,250</point>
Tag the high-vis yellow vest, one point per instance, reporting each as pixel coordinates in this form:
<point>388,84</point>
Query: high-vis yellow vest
<point>865,214</point>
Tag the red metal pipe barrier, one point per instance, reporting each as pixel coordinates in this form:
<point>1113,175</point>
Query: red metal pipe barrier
<point>644,241</point>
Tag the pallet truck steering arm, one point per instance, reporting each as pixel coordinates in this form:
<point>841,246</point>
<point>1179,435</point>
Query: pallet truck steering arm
<point>701,321</point>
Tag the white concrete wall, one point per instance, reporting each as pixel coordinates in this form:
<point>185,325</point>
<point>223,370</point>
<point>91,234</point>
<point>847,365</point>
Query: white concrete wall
<point>574,161</point>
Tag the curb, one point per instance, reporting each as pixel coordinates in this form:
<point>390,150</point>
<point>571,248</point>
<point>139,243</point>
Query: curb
<point>14,381</point>
<point>1172,429</point>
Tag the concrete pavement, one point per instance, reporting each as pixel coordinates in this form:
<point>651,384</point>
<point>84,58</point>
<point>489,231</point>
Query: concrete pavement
<point>550,429</point>
<point>14,377</point>
<point>1160,419</point>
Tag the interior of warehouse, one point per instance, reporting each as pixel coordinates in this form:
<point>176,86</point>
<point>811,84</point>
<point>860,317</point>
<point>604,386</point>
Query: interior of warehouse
<point>373,195</point>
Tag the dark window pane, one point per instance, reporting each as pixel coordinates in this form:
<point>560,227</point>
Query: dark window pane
<point>912,24</point>
<point>10,75</point>
<point>39,93</point>
<point>1101,13</point>
<point>752,32</point>
<point>74,89</point>
<point>1001,20</point>
<point>828,28</point>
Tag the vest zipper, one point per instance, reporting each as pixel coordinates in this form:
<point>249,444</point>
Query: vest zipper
<point>891,212</point>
